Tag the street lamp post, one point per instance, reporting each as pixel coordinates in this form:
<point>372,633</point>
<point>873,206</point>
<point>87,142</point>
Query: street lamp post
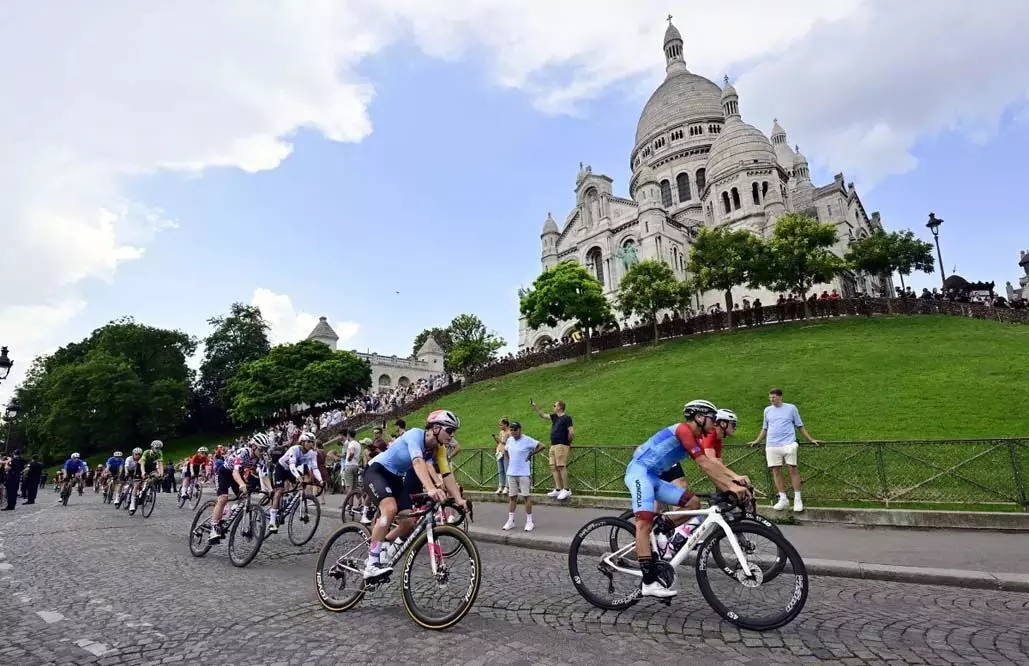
<point>5,363</point>
<point>934,226</point>
<point>9,415</point>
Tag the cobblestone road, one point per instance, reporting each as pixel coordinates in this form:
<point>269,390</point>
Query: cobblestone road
<point>86,584</point>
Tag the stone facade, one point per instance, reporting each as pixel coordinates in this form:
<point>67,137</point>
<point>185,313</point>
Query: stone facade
<point>696,163</point>
<point>1023,281</point>
<point>389,371</point>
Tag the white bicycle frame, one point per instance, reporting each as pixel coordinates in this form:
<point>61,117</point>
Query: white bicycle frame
<point>713,519</point>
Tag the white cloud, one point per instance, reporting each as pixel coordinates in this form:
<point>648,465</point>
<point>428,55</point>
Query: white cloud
<point>288,325</point>
<point>102,92</point>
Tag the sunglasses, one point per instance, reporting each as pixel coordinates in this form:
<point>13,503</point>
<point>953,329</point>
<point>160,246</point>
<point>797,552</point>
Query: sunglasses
<point>450,431</point>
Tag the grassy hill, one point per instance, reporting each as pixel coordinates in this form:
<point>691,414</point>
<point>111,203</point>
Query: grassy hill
<point>884,378</point>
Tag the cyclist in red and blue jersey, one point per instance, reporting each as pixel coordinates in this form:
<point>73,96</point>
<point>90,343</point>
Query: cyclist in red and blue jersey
<point>658,454</point>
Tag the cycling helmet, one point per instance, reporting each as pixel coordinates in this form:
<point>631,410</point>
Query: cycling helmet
<point>202,449</point>
<point>118,454</point>
<point>445,418</point>
<point>74,456</point>
<point>156,444</point>
<point>137,451</point>
<point>698,408</point>
<point>260,440</point>
<point>725,415</point>
<point>307,437</point>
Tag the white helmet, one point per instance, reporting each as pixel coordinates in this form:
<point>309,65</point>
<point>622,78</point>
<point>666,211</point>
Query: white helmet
<point>725,415</point>
<point>260,440</point>
<point>698,408</point>
<point>118,454</point>
<point>74,456</point>
<point>445,418</point>
<point>156,444</point>
<point>202,449</point>
<point>307,437</point>
<point>137,451</point>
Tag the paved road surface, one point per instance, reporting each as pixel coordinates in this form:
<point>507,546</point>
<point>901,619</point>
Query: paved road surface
<point>85,584</point>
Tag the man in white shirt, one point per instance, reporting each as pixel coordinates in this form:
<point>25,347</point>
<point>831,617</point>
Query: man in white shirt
<point>520,449</point>
<point>351,461</point>
<point>780,424</point>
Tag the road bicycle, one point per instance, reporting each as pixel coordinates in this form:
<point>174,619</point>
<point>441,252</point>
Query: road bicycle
<point>192,495</point>
<point>147,498</point>
<point>726,553</point>
<point>340,584</point>
<point>299,512</point>
<point>243,522</point>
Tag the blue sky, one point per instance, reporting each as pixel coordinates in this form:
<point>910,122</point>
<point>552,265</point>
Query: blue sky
<point>422,158</point>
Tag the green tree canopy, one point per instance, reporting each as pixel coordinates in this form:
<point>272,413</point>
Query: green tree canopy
<point>884,253</point>
<point>799,255</point>
<point>443,338</point>
<point>567,292</point>
<point>473,346</point>
<point>721,259</point>
<point>648,287</point>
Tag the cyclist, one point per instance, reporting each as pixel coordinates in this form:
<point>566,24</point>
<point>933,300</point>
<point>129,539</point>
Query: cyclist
<point>385,481</point>
<point>291,466</point>
<point>113,467</point>
<point>236,470</point>
<point>191,470</point>
<point>667,447</point>
<point>132,471</point>
<point>74,469</point>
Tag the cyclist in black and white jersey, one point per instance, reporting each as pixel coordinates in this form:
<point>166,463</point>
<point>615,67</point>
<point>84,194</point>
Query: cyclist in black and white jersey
<point>238,470</point>
<point>291,466</point>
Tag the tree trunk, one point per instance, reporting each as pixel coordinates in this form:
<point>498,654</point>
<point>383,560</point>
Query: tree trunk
<point>656,336</point>
<point>902,287</point>
<point>807,307</point>
<point>589,349</point>
<point>728,307</point>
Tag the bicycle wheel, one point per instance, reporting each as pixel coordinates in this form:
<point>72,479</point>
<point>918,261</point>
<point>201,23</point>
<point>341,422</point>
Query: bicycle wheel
<point>600,555</point>
<point>303,521</point>
<point>332,571</point>
<point>770,568</point>
<point>738,581</point>
<point>196,492</point>
<point>248,529</point>
<point>447,618</point>
<point>149,501</point>
<point>182,499</point>
<point>200,529</point>
<point>352,506</point>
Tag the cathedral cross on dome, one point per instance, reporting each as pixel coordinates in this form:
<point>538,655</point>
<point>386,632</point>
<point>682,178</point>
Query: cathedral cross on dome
<point>669,19</point>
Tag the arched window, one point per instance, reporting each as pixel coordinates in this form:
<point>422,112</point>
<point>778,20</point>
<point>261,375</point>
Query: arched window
<point>384,381</point>
<point>682,181</point>
<point>725,202</point>
<point>764,189</point>
<point>701,181</point>
<point>754,194</point>
<point>735,199</point>
<point>595,264</point>
<point>666,194</point>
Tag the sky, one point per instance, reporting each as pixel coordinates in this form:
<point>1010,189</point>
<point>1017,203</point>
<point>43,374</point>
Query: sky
<point>388,164</point>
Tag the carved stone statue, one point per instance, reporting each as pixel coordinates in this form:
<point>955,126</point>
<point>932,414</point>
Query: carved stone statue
<point>627,253</point>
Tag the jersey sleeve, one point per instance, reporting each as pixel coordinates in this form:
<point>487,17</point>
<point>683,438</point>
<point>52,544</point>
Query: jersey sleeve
<point>710,441</point>
<point>688,441</point>
<point>414,448</point>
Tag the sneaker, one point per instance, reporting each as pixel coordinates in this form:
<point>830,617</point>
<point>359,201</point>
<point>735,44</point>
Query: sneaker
<point>375,570</point>
<point>508,525</point>
<point>658,590</point>
<point>782,504</point>
<point>564,494</point>
<point>273,528</point>
<point>214,537</point>
<point>500,491</point>
<point>365,519</point>
<point>798,505</point>
<point>528,526</point>
<point>554,493</point>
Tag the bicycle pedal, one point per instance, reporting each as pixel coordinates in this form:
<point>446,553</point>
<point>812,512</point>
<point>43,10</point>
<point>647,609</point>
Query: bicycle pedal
<point>667,601</point>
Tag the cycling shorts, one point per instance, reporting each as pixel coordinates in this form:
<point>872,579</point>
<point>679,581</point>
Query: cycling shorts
<point>646,486</point>
<point>673,473</point>
<point>380,483</point>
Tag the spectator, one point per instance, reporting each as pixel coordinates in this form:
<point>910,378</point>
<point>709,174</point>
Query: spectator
<point>780,423</point>
<point>351,461</point>
<point>562,432</point>
<point>520,450</point>
<point>15,467</point>
<point>501,454</point>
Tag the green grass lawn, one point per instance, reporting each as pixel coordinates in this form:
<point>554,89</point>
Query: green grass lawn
<point>885,378</point>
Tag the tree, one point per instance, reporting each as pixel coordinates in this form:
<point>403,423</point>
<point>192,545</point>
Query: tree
<point>443,339</point>
<point>884,253</point>
<point>798,256</point>
<point>473,346</point>
<point>567,292</point>
<point>722,259</point>
<point>305,372</point>
<point>649,287</point>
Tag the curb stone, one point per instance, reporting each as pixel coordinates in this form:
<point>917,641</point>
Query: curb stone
<point>983,580</point>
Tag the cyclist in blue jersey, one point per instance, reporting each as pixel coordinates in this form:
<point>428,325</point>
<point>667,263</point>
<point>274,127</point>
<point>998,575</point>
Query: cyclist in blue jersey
<point>114,466</point>
<point>74,467</point>
<point>384,479</point>
<point>658,454</point>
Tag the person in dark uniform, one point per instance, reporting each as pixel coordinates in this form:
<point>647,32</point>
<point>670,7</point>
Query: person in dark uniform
<point>33,474</point>
<point>14,469</point>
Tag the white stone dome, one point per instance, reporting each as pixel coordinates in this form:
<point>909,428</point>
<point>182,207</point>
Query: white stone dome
<point>683,97</point>
<point>550,226</point>
<point>738,143</point>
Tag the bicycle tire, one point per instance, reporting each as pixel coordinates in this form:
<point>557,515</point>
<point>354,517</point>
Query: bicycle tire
<point>182,500</point>
<point>612,523</point>
<point>197,492</point>
<point>314,515</point>
<point>259,524</point>
<point>472,593</point>
<point>319,588</point>
<point>347,513</point>
<point>781,559</point>
<point>797,600</point>
<point>196,531</point>
<point>150,495</point>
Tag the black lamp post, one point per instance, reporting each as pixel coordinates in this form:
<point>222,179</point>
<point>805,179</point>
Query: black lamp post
<point>10,414</point>
<point>934,226</point>
<point>5,363</point>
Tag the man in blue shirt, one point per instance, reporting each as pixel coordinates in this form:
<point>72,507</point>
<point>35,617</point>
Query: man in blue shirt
<point>780,425</point>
